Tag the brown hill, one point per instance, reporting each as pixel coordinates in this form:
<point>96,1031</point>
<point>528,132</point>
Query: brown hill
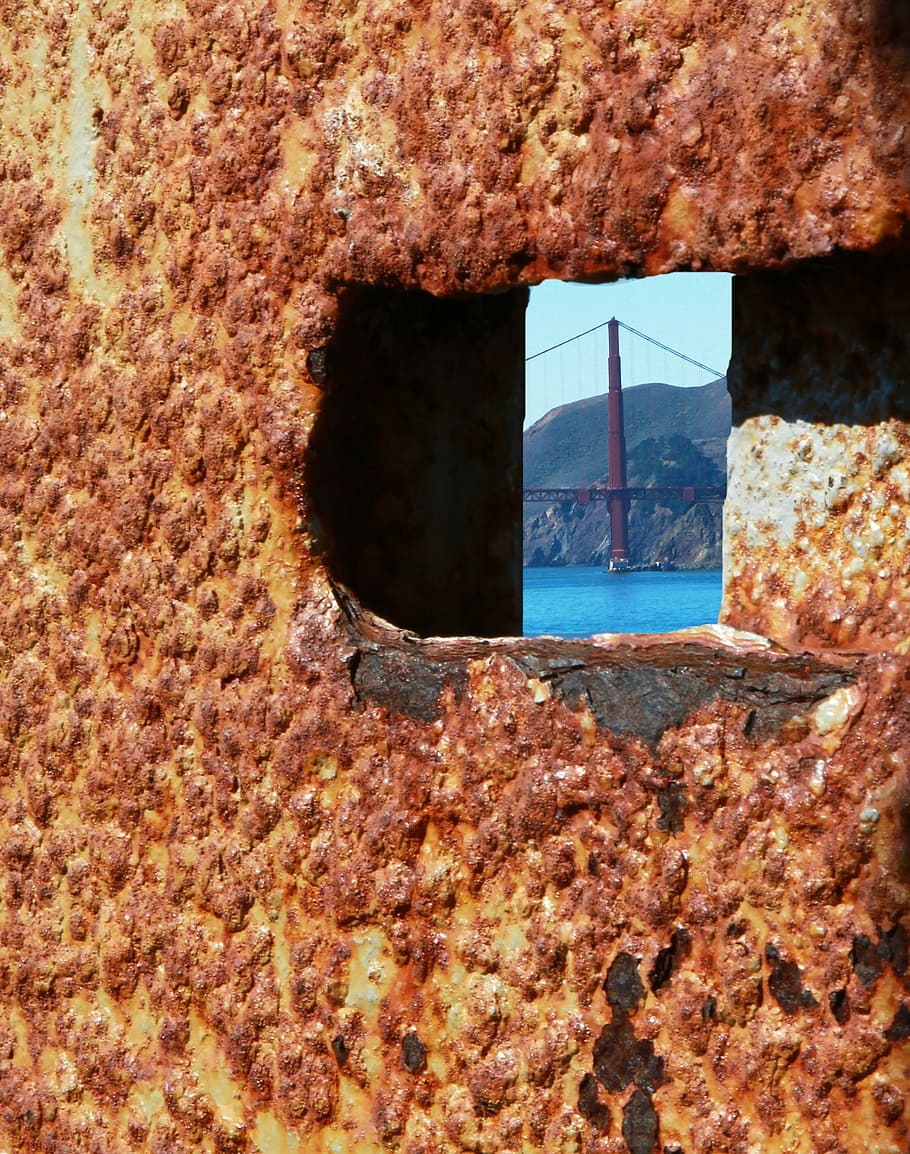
<point>568,446</point>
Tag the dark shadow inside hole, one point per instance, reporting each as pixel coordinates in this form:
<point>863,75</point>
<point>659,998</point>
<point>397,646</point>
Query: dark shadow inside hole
<point>414,465</point>
<point>891,31</point>
<point>826,341</point>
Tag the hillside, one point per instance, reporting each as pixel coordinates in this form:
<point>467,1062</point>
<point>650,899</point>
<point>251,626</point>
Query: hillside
<point>568,446</point>
<point>674,436</point>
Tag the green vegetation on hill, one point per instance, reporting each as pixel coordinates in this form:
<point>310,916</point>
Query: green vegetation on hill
<point>673,460</point>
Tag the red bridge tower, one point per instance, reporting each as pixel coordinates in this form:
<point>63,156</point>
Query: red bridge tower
<point>617,500</point>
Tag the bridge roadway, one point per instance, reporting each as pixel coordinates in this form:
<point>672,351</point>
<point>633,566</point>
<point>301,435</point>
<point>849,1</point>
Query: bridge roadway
<point>584,496</point>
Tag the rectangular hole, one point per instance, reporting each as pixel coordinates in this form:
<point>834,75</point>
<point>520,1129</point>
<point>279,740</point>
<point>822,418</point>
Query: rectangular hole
<point>414,470</point>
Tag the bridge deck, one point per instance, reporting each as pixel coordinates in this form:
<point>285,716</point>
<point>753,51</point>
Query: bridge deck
<point>584,496</point>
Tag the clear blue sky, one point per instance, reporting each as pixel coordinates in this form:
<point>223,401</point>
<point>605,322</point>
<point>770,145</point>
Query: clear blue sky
<point>687,311</point>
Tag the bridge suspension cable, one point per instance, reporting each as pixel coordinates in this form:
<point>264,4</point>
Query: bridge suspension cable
<point>567,341</point>
<point>635,332</point>
<point>667,349</point>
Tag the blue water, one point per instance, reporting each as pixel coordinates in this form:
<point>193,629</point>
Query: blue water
<point>579,601</point>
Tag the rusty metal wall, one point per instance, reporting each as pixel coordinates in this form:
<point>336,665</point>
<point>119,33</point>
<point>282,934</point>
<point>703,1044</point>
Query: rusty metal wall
<point>276,877</point>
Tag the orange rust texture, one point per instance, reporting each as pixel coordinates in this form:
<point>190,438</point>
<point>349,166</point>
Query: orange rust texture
<point>817,520</point>
<point>224,919</point>
<point>243,910</point>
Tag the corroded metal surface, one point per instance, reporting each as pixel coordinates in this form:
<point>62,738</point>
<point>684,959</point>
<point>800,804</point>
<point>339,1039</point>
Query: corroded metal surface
<point>244,905</point>
<point>508,929</point>
<point>817,532</point>
<point>242,148</point>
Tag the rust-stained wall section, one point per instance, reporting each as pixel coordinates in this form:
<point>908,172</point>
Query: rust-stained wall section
<point>278,877</point>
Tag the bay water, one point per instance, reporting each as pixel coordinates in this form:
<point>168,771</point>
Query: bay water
<point>576,601</point>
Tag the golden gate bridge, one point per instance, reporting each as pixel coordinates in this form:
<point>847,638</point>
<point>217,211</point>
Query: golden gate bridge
<point>617,492</point>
